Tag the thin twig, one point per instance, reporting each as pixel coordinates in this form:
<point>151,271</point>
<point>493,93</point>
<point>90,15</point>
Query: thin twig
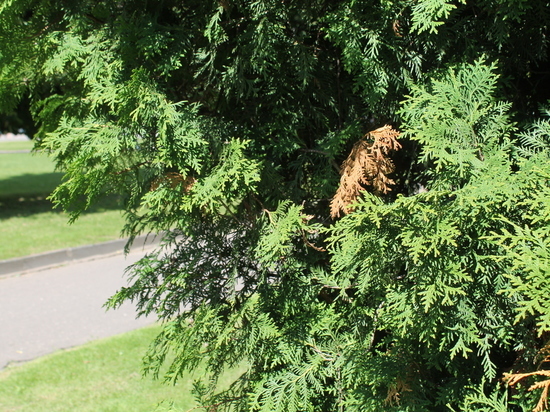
<point>311,245</point>
<point>230,212</point>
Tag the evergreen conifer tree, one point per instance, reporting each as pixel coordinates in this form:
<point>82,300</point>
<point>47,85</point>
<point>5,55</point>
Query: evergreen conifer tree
<point>355,194</point>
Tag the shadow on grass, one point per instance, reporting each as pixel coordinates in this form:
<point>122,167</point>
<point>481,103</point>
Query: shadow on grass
<point>26,195</point>
<point>22,206</point>
<point>29,185</point>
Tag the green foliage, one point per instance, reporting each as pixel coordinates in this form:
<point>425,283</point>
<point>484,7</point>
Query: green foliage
<point>428,15</point>
<point>224,123</point>
<point>458,123</point>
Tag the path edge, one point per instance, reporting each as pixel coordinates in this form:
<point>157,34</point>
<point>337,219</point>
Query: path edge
<point>41,261</point>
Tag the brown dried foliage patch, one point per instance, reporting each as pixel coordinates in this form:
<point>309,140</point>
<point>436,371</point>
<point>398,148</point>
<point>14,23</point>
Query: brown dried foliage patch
<point>396,391</point>
<point>368,164</point>
<point>514,378</point>
<point>173,179</point>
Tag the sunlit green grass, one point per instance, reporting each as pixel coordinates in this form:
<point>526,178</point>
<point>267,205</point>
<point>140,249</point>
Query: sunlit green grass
<point>28,224</point>
<point>101,376</point>
<point>16,145</point>
<point>41,232</point>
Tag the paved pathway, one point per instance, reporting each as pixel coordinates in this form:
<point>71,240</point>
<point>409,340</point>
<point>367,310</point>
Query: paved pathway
<point>45,311</point>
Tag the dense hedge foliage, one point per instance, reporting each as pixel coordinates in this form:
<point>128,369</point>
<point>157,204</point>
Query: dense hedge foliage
<point>356,192</point>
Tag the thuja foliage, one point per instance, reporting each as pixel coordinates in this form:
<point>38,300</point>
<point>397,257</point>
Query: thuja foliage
<point>227,124</point>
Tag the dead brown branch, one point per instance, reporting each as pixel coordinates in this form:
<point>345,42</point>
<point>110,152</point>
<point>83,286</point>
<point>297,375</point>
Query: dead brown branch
<point>368,164</point>
<point>514,378</point>
<point>173,179</point>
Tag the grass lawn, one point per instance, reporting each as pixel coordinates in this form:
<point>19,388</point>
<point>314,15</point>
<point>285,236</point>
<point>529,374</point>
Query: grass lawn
<point>27,174</point>
<point>16,145</point>
<point>30,233</point>
<point>28,223</point>
<point>101,376</point>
